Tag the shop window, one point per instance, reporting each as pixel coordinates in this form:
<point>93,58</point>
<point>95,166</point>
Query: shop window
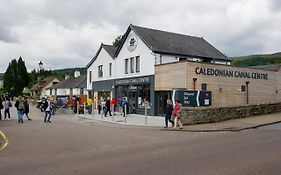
<point>243,88</point>
<point>110,69</point>
<point>100,72</point>
<point>132,65</point>
<point>137,63</point>
<point>126,66</point>
<point>204,87</point>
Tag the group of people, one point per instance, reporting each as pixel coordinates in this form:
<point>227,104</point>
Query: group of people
<point>173,112</point>
<point>109,105</point>
<point>21,105</point>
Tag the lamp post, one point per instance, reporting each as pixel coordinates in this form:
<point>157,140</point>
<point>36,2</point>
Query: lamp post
<point>39,78</point>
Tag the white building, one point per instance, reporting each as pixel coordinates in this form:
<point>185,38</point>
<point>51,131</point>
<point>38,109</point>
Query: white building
<point>73,86</point>
<point>133,65</point>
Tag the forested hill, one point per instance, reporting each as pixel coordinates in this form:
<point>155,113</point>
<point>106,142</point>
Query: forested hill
<point>255,60</point>
<point>69,71</point>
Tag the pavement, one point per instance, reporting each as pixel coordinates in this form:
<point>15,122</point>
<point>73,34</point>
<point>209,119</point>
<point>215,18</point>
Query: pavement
<point>159,122</point>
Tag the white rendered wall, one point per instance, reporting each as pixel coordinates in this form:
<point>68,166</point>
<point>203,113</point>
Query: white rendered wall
<point>147,59</point>
<point>103,59</point>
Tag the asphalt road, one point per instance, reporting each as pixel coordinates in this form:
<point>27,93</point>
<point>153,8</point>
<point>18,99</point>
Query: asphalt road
<point>72,146</point>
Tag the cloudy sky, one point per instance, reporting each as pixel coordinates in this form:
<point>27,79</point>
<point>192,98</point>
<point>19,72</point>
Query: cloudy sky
<point>67,33</point>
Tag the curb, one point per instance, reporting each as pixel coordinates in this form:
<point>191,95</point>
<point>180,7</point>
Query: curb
<point>224,129</point>
<point>231,129</point>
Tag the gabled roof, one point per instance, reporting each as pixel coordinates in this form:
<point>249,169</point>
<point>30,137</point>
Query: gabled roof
<point>43,83</point>
<point>70,83</point>
<point>270,67</point>
<point>108,48</point>
<point>173,43</point>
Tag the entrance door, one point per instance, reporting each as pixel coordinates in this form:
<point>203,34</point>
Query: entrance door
<point>161,102</point>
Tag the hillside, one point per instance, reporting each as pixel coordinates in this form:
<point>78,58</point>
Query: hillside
<point>60,73</point>
<point>255,60</point>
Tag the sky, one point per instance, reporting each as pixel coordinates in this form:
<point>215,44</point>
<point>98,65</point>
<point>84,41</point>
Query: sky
<point>67,33</point>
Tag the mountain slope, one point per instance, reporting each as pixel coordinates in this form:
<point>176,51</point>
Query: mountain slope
<point>255,60</point>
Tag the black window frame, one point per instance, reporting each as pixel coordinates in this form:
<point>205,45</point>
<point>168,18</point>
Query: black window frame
<point>137,64</point>
<point>100,72</point>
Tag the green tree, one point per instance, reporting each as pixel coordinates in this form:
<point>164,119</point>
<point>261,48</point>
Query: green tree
<point>16,77</point>
<point>117,41</point>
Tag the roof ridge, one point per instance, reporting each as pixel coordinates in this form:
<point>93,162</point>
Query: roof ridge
<point>174,33</point>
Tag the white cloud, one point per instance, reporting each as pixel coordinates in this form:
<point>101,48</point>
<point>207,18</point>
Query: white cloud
<point>67,33</point>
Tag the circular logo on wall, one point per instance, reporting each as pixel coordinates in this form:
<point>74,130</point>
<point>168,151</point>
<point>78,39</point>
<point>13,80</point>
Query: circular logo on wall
<point>132,43</point>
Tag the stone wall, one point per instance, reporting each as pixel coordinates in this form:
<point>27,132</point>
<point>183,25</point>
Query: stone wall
<point>201,115</point>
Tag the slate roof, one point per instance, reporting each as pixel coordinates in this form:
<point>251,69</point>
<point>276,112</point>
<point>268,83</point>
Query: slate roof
<point>270,67</point>
<point>44,82</point>
<point>173,43</point>
<point>72,82</point>
<point>108,48</point>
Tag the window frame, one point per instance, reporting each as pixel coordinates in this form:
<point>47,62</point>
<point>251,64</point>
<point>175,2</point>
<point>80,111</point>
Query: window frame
<point>137,64</point>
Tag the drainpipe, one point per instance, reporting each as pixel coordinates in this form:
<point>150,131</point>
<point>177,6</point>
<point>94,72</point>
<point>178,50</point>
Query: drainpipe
<point>247,91</point>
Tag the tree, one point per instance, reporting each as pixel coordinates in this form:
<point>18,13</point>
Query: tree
<point>16,77</point>
<point>117,41</point>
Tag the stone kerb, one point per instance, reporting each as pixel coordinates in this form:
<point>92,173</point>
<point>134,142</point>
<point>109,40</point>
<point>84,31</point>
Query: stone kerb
<point>199,115</point>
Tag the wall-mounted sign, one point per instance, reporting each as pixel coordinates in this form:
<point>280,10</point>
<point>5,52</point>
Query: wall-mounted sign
<point>230,73</point>
<point>133,81</point>
<point>193,98</point>
<point>132,42</point>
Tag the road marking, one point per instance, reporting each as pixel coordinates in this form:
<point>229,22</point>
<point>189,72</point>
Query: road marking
<point>6,142</point>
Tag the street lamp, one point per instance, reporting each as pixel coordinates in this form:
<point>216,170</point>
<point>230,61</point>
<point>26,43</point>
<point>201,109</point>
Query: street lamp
<point>39,78</point>
<point>40,65</point>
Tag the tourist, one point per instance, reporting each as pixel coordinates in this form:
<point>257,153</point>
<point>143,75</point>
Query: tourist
<point>107,107</point>
<point>176,114</point>
<point>7,105</point>
<point>26,108</point>
<point>169,111</point>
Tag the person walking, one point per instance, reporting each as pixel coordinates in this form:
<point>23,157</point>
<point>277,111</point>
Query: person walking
<point>107,107</point>
<point>113,104</point>
<point>1,107</point>
<point>169,111</point>
<point>7,105</point>
<point>47,108</point>
<point>89,105</point>
<point>20,108</point>
<point>26,108</point>
<point>176,114</point>
<point>125,106</point>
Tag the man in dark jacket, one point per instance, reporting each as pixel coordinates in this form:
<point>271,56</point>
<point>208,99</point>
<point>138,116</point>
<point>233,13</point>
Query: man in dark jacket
<point>26,108</point>
<point>107,107</point>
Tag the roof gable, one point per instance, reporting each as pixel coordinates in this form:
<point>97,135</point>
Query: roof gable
<point>173,43</point>
<point>108,48</point>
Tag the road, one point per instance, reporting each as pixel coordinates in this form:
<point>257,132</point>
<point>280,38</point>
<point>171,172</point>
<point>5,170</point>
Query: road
<point>72,146</point>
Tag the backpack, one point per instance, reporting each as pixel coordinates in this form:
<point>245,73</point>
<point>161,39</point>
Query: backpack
<point>10,104</point>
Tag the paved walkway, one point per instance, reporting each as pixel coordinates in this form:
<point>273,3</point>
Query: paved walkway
<point>158,121</point>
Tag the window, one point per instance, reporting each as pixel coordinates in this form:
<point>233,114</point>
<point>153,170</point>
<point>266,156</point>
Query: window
<point>132,65</point>
<point>137,63</point>
<point>100,73</point>
<point>110,69</point>
<point>90,77</point>
<point>243,88</point>
<point>126,66</point>
<point>204,86</point>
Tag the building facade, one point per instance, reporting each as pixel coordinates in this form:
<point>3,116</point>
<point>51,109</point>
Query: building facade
<point>133,66</point>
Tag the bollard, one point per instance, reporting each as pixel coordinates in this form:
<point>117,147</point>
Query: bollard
<point>102,111</point>
<point>145,113</point>
<point>92,110</point>
<point>77,107</point>
<point>84,109</point>
<point>125,113</point>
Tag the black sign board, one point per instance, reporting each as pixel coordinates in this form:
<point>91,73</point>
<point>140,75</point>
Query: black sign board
<point>193,98</point>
